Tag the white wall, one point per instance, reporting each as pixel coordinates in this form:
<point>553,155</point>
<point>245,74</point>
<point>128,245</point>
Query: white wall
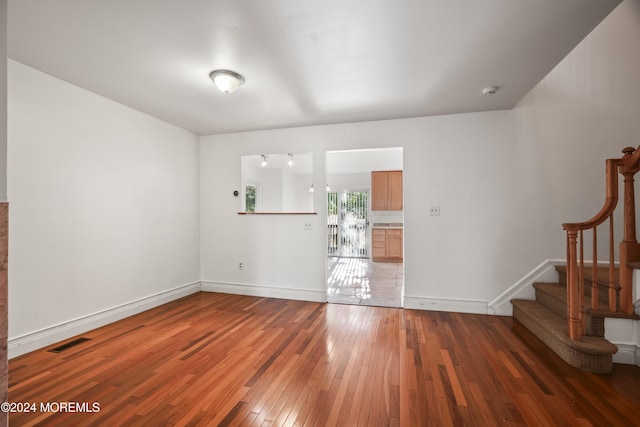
<point>295,192</point>
<point>104,203</point>
<point>461,162</point>
<point>351,169</point>
<point>585,111</point>
<point>273,248</point>
<point>349,181</point>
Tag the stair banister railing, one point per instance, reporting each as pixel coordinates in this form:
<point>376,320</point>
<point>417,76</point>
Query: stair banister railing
<point>628,165</point>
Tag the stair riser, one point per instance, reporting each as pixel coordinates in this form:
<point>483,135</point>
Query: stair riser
<point>557,306</point>
<point>594,325</point>
<point>603,290</point>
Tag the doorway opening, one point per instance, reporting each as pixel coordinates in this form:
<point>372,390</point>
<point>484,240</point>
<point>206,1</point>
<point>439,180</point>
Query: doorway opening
<point>352,275</point>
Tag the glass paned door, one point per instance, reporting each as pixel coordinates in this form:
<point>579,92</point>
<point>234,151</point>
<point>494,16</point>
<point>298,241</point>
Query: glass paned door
<point>348,223</point>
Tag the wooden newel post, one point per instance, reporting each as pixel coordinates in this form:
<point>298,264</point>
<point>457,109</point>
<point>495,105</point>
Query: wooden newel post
<point>629,248</point>
<point>573,293</point>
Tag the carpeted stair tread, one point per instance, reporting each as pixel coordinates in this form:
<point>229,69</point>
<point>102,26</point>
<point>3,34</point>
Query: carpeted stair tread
<point>555,327</point>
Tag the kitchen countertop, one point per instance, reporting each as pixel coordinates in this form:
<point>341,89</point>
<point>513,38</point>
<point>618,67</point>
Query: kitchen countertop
<point>388,225</point>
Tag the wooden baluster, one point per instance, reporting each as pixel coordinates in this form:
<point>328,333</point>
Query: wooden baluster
<point>573,303</point>
<point>581,278</point>
<point>612,276</point>
<point>595,300</point>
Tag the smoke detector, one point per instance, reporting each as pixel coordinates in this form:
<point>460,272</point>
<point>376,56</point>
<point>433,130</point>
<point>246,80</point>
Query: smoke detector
<point>489,90</point>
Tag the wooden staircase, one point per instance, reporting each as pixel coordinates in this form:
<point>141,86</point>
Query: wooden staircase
<point>569,316</point>
<point>546,317</point>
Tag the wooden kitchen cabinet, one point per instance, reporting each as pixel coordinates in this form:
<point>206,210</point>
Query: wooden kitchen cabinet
<point>386,190</point>
<point>394,244</point>
<point>386,245</point>
<point>378,244</point>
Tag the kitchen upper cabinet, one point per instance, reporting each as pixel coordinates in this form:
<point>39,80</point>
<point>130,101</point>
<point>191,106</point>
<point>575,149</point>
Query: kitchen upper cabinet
<point>386,190</point>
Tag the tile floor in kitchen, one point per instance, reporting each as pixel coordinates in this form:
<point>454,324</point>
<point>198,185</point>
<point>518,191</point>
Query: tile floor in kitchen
<point>360,281</point>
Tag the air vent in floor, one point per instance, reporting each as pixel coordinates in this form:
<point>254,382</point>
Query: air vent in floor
<point>68,345</point>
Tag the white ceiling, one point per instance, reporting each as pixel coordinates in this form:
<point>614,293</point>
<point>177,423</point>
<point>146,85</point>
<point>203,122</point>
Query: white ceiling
<point>305,61</point>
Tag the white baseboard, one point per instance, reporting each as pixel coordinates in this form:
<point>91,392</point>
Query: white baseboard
<point>628,354</point>
<point>446,304</point>
<point>623,333</point>
<point>23,344</point>
<point>523,289</point>
<point>264,291</point>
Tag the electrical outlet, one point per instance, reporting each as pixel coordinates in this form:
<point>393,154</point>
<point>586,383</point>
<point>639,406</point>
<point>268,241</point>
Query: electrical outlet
<point>240,265</point>
<point>308,225</point>
<point>434,210</point>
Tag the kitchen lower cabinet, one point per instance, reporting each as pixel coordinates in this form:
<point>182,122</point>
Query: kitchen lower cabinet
<point>386,245</point>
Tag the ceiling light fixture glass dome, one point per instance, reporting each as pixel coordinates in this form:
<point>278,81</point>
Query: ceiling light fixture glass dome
<point>226,80</point>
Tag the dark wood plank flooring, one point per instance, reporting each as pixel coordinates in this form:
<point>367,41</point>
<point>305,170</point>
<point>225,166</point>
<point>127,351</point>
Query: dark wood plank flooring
<point>215,359</point>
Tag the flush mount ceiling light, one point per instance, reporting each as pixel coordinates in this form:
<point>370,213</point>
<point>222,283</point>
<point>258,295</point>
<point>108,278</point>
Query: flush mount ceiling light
<point>225,80</point>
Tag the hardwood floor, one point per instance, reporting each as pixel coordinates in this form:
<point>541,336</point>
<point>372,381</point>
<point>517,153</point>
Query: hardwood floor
<point>215,359</point>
